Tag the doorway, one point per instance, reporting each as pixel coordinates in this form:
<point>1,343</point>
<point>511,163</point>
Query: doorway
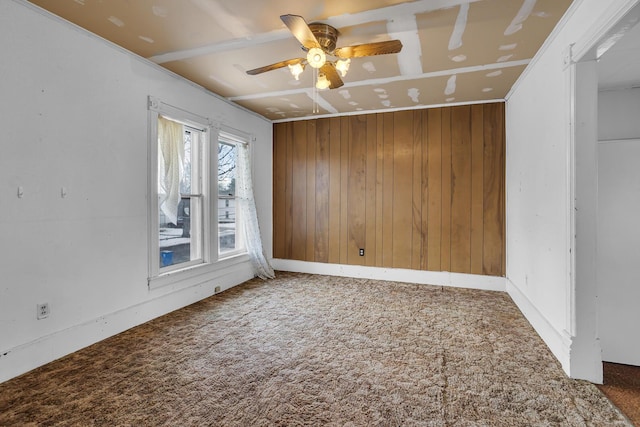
<point>606,150</point>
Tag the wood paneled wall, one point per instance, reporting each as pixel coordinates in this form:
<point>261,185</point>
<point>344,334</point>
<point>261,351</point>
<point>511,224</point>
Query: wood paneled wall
<point>420,189</point>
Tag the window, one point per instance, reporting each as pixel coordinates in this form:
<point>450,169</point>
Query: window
<point>181,198</point>
<point>186,157</point>
<point>229,224</point>
<point>180,221</point>
<point>179,180</point>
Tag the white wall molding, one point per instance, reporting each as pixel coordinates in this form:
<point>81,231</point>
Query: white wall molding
<point>558,342</point>
<point>45,349</point>
<point>440,278</point>
<point>607,31</point>
<point>586,356</point>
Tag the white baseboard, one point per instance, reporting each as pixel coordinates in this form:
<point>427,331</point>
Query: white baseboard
<point>23,358</point>
<point>440,278</point>
<point>558,342</point>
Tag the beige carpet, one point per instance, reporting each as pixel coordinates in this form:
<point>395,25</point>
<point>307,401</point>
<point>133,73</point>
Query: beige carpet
<point>305,350</point>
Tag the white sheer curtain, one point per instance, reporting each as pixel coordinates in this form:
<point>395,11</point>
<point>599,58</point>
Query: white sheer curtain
<point>170,165</point>
<point>247,206</point>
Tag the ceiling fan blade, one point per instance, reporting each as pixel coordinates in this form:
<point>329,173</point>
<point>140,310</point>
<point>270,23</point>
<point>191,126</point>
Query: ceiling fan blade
<point>332,75</point>
<point>369,49</point>
<point>300,30</point>
<point>275,66</point>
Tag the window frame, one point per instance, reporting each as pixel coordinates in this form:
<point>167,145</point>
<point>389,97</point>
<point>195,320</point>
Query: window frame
<point>157,275</point>
<point>239,140</point>
<point>212,263</point>
<point>200,220</point>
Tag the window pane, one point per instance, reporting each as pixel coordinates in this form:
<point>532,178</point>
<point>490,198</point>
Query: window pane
<point>180,241</point>
<point>175,239</point>
<point>227,224</point>
<point>185,181</point>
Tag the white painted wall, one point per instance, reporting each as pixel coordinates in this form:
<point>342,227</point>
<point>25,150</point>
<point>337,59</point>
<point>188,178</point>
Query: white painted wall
<point>619,251</point>
<point>618,230</point>
<point>539,190</point>
<point>74,115</point>
<point>619,114</point>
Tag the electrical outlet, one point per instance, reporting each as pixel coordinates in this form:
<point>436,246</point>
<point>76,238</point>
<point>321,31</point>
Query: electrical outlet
<point>361,252</point>
<point>43,310</point>
<point>216,289</point>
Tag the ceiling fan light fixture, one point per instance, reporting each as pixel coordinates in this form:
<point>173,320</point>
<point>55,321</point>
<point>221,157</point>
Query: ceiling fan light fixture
<point>323,82</point>
<point>342,65</point>
<point>296,70</point>
<point>316,57</point>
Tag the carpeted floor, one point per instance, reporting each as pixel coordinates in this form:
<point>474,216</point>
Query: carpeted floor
<point>305,350</point>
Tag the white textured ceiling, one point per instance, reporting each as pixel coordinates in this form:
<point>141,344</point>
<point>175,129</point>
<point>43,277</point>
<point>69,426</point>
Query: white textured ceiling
<point>454,51</point>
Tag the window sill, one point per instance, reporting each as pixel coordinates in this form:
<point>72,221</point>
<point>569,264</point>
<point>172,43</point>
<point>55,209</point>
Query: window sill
<point>197,274</point>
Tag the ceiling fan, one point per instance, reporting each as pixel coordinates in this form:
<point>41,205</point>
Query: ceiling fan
<point>319,41</point>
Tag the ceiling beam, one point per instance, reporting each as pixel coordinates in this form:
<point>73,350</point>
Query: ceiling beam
<point>404,10</point>
<point>386,80</point>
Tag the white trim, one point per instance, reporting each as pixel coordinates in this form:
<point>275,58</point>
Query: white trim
<point>234,136</point>
<point>618,140</point>
<point>570,181</point>
<point>237,139</point>
<point>153,264</point>
<point>387,110</point>
<point>409,9</point>
<point>224,46</point>
<point>23,358</point>
<point>182,116</point>
<point>440,278</point>
<point>586,354</point>
<point>586,48</point>
<point>196,275</point>
<point>559,342</point>
<point>386,80</point>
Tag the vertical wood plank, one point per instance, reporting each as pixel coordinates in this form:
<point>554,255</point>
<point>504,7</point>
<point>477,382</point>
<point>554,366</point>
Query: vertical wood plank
<point>434,159</point>
<point>461,189</point>
<point>334,190</point>
<point>445,239</point>
<point>279,174</point>
<point>322,191</point>
<point>493,190</point>
<point>477,184</point>
<point>299,202</point>
<point>357,186</point>
<point>502,160</point>
<point>387,191</point>
<point>402,189</point>
<point>370,196</point>
<point>379,185</point>
<point>416,199</point>
<point>424,190</point>
<point>344,193</point>
<point>310,233</point>
<point>288,202</point>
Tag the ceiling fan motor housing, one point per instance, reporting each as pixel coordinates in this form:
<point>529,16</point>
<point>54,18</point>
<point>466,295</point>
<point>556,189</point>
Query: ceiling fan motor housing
<point>326,35</point>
